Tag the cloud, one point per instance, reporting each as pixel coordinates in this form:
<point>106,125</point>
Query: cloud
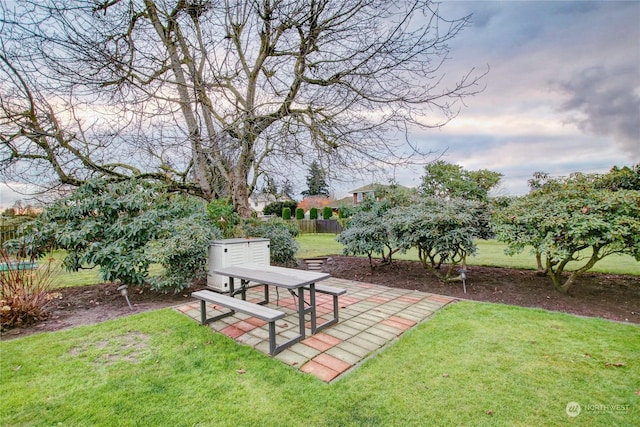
<point>12,193</point>
<point>602,103</point>
<point>561,95</point>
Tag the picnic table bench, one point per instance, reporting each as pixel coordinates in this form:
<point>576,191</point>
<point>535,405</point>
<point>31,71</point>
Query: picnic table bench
<point>267,314</point>
<point>335,293</point>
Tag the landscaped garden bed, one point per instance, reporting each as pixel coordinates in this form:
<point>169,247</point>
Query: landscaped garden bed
<point>609,296</point>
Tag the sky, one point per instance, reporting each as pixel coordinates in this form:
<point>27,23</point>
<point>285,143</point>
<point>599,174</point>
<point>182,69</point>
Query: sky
<point>562,94</point>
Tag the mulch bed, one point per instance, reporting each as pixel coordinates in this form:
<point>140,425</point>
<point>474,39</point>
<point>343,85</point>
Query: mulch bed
<point>608,296</point>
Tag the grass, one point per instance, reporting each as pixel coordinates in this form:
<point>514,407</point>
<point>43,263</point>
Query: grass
<point>88,276</point>
<point>314,244</point>
<point>471,364</point>
<point>490,253</point>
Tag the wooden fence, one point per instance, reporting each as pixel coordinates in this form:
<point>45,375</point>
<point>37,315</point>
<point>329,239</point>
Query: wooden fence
<point>7,232</point>
<point>319,226</point>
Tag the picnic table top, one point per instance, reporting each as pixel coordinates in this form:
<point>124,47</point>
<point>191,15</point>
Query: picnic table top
<point>290,278</point>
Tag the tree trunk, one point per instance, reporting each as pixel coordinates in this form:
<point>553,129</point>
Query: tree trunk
<point>423,257</point>
<point>185,100</point>
<point>240,193</point>
<point>569,283</point>
<point>556,276</point>
<point>541,268</point>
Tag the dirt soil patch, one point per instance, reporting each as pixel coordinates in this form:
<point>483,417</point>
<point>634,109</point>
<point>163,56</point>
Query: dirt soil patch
<point>614,297</point>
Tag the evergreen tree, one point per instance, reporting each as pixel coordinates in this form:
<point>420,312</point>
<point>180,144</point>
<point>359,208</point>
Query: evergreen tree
<point>316,183</point>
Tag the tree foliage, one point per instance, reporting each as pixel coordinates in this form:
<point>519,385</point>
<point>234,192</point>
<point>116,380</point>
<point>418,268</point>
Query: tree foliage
<point>367,232</point>
<point>276,208</point>
<point>183,244</point>
<point>123,228</point>
<point>224,216</point>
<point>573,222</point>
<point>442,230</point>
<point>313,213</point>
<point>286,213</point>
<point>316,181</point>
<point>327,212</point>
<point>446,180</point>
<point>207,97</point>
<point>100,224</point>
<point>624,178</point>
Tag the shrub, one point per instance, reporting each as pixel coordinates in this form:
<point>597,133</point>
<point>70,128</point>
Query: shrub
<point>222,214</point>
<point>367,232</point>
<point>344,212</point>
<point>281,234</point>
<point>286,213</point>
<point>299,213</point>
<point>327,212</point>
<point>23,292</point>
<point>125,227</point>
<point>313,213</point>
<point>578,219</point>
<point>103,224</point>
<point>443,231</point>
<point>183,251</point>
<point>276,208</point>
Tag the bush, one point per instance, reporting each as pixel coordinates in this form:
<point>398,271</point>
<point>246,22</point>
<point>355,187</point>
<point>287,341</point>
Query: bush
<point>443,231</point>
<point>222,214</point>
<point>344,212</point>
<point>276,208</point>
<point>125,227</point>
<point>578,219</point>
<point>299,213</point>
<point>281,234</point>
<point>367,232</point>
<point>313,213</point>
<point>183,251</point>
<point>23,292</point>
<point>103,224</point>
<point>286,213</point>
<point>327,212</point>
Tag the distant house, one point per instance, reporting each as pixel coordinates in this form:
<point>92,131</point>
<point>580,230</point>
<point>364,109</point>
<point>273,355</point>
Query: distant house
<point>345,201</point>
<point>257,201</point>
<point>368,192</point>
<point>359,195</point>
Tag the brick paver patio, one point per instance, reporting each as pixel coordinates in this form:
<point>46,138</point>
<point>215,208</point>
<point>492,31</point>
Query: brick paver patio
<point>371,316</point>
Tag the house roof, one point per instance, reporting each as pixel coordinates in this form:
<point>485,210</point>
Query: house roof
<point>342,202</point>
<point>373,187</point>
<point>366,188</point>
<point>267,198</point>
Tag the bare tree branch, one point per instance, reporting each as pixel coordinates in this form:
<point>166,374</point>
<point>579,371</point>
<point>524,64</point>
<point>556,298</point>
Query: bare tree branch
<point>210,95</point>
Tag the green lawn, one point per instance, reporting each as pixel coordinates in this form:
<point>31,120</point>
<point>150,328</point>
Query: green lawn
<point>89,276</point>
<point>490,253</point>
<point>471,364</point>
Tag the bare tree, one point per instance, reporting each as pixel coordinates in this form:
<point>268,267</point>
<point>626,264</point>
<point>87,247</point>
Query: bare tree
<point>208,96</point>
